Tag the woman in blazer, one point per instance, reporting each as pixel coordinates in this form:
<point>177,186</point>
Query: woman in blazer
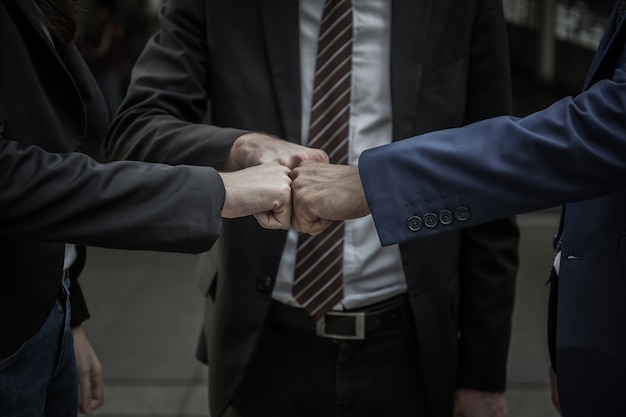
<point>55,199</point>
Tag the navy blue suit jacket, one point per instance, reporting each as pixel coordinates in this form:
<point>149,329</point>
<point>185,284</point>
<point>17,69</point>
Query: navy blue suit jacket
<point>573,152</point>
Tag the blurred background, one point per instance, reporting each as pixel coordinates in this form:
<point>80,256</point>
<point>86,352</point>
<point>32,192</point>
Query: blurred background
<point>146,310</point>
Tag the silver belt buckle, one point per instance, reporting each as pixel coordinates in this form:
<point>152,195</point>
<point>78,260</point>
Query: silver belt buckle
<point>359,325</point>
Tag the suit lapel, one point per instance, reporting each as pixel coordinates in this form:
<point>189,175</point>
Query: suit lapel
<point>29,13</point>
<point>280,21</point>
<point>71,54</point>
<point>26,9</point>
<point>410,24</point>
<point>603,61</point>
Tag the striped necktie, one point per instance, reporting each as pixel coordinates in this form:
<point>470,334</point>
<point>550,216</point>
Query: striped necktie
<point>318,282</point>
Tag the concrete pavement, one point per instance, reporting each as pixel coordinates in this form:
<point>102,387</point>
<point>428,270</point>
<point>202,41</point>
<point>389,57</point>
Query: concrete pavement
<point>146,315</point>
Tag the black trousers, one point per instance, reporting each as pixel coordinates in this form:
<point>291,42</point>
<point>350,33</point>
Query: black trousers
<point>296,373</point>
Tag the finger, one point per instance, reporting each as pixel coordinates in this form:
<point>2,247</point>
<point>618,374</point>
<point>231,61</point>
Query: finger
<point>84,393</point>
<point>291,161</point>
<point>311,225</point>
<point>263,220</point>
<point>319,156</point>
<point>305,154</point>
<point>308,162</point>
<point>318,226</point>
<point>269,220</point>
<point>283,217</point>
<point>97,391</point>
<point>293,175</point>
<point>299,222</point>
<point>280,216</point>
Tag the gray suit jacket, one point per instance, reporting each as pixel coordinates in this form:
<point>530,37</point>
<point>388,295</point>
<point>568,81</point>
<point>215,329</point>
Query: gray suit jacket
<point>52,192</point>
<point>240,60</point>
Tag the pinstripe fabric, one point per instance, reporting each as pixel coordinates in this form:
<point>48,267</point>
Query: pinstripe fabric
<point>318,283</point>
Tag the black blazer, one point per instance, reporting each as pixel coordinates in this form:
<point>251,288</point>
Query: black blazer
<point>51,192</point>
<point>449,67</point>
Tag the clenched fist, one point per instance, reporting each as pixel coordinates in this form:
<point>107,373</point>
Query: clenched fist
<point>263,191</point>
<point>258,148</point>
<point>323,193</point>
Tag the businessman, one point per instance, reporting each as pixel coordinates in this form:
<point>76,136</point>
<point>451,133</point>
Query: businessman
<point>414,329</point>
<point>572,153</point>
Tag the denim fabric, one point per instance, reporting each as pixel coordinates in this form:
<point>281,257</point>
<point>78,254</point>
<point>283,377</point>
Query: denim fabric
<point>39,379</point>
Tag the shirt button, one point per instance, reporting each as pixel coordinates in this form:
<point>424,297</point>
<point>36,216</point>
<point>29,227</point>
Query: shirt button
<point>445,217</point>
<point>264,283</point>
<point>430,220</point>
<point>414,223</point>
<point>462,213</point>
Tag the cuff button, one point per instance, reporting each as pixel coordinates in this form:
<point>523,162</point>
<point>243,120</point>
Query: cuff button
<point>430,220</point>
<point>462,213</point>
<point>414,223</point>
<point>445,217</point>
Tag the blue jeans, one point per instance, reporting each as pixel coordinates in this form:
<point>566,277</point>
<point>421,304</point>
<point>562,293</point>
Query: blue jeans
<point>39,379</point>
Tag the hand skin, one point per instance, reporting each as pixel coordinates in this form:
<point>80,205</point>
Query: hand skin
<point>263,191</point>
<point>258,148</point>
<point>471,403</point>
<point>89,370</point>
<point>323,193</point>
<point>554,388</point>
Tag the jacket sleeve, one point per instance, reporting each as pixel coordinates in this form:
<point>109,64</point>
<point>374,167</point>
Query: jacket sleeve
<point>79,311</point>
<point>70,198</point>
<point>162,117</point>
<point>571,151</point>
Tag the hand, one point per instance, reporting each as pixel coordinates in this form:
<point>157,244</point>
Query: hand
<point>471,403</point>
<point>257,148</point>
<point>554,388</point>
<point>90,386</point>
<point>324,192</point>
<point>263,191</point>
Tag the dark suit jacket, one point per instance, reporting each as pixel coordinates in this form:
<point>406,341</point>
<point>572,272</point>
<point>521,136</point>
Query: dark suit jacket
<point>51,192</point>
<point>572,152</point>
<point>449,67</point>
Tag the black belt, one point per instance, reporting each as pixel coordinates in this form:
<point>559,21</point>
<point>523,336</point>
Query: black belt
<point>348,324</point>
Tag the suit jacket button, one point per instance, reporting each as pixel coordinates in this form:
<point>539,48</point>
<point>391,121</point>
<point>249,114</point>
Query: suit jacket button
<point>462,213</point>
<point>430,220</point>
<point>445,217</point>
<point>264,283</point>
<point>414,223</point>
